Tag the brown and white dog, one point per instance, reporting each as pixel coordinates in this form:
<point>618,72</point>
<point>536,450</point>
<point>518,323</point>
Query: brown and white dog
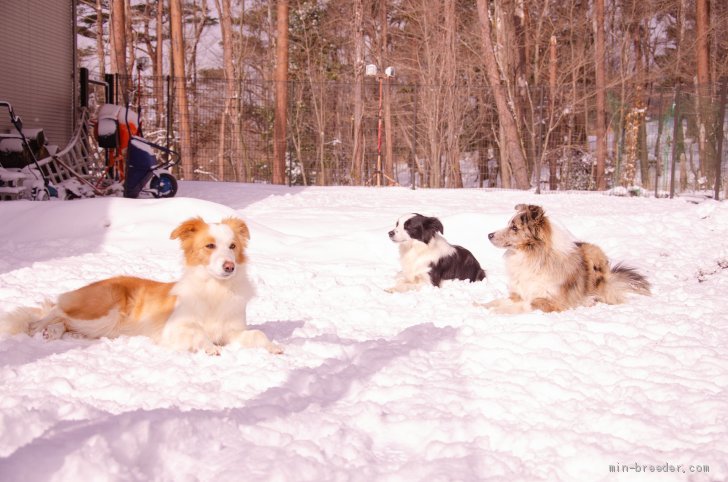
<point>203,311</point>
<point>549,271</point>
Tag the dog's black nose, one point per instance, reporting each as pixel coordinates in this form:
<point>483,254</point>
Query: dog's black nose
<point>391,233</point>
<point>490,236</point>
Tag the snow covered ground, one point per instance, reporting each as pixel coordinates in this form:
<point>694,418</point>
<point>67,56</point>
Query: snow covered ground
<point>373,386</point>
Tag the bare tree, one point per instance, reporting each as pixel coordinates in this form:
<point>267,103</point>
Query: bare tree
<point>118,31</point>
<point>511,146</point>
<point>357,154</point>
<point>553,93</point>
<point>702,28</point>
<point>388,166</point>
<point>155,51</point>
<point>706,116</point>
<point>600,85</point>
<point>100,48</point>
<point>452,106</point>
<point>130,41</point>
<point>200,20</point>
<point>281,78</point>
<point>230,109</point>
<point>178,62</point>
<point>158,62</point>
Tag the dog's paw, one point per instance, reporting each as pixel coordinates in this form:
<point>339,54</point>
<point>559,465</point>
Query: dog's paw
<point>403,287</point>
<point>208,348</point>
<point>491,305</point>
<point>506,306</point>
<point>35,327</point>
<point>54,331</point>
<point>502,310</point>
<point>274,349</point>
<point>213,350</point>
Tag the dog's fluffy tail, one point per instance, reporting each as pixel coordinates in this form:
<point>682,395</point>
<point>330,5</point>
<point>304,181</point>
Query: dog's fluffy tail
<point>19,320</point>
<point>622,280</point>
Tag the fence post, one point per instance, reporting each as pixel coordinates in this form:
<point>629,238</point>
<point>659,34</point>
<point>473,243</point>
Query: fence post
<point>658,157</point>
<point>83,84</point>
<point>110,88</point>
<point>721,120</point>
<point>290,97</point>
<point>414,142</point>
<point>170,112</point>
<point>676,124</point>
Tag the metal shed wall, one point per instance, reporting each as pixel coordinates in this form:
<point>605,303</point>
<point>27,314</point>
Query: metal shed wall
<point>37,65</point>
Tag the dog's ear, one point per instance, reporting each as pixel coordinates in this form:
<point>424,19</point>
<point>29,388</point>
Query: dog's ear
<point>429,227</point>
<point>187,228</point>
<point>535,212</point>
<point>435,224</point>
<point>238,226</point>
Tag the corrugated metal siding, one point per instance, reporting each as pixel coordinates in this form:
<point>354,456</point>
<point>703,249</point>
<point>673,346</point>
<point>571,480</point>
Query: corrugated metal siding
<point>37,65</point>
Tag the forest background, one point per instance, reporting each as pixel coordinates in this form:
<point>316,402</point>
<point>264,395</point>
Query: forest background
<point>574,94</point>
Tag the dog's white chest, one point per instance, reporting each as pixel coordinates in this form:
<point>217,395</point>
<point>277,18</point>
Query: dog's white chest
<point>527,280</point>
<point>211,304</point>
<point>417,258</point>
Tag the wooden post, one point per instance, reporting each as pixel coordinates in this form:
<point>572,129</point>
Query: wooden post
<point>539,140</point>
<point>719,147</point>
<point>676,125</point>
<point>280,121</point>
<point>414,141</point>
<point>379,135</point>
<point>83,84</point>
<point>658,164</point>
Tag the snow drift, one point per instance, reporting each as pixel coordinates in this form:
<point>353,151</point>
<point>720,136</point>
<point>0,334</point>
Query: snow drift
<point>373,386</point>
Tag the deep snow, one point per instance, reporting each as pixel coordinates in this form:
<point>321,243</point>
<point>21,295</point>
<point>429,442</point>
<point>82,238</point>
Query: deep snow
<point>373,386</point>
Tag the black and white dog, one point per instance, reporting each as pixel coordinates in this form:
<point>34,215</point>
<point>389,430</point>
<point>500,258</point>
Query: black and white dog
<point>427,257</point>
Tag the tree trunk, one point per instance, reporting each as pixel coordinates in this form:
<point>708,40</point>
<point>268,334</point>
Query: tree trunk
<point>357,151</point>
<point>230,105</point>
<point>199,20</point>
<point>452,109</point>
<point>600,74</point>
<point>130,41</point>
<point>155,51</point>
<point>158,64</point>
<point>703,90</point>
<point>321,121</point>
<point>279,127</point>
<point>118,29</point>
<point>641,102</point>
<point>511,144</point>
<point>100,49</point>
<point>388,167</point>
<point>702,27</point>
<point>553,181</point>
<point>388,136</point>
<point>178,61</point>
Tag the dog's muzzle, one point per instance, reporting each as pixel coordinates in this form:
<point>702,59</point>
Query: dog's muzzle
<point>391,234</point>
